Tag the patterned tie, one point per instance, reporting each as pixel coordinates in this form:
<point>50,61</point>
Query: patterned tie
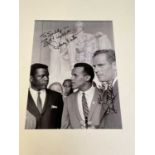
<point>110,98</point>
<point>39,104</point>
<point>85,108</point>
<point>104,86</point>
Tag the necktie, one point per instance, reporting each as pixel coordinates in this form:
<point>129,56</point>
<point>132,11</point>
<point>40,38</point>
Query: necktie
<point>85,108</point>
<point>110,90</point>
<point>39,104</point>
<point>104,86</point>
<point>110,98</point>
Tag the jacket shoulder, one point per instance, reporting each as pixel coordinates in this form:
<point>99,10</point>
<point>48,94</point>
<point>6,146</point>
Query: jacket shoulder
<point>71,97</point>
<point>51,92</point>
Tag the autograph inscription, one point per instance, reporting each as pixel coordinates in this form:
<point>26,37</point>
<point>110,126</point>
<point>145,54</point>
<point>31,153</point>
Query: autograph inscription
<point>57,38</point>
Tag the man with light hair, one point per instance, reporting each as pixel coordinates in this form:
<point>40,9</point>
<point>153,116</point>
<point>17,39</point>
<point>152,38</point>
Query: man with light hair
<point>104,63</point>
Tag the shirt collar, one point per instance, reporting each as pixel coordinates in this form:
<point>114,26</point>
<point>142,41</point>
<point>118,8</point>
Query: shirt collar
<point>89,91</point>
<point>105,84</point>
<point>35,91</point>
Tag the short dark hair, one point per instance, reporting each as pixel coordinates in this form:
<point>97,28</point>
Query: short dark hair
<point>109,53</point>
<point>88,69</point>
<point>36,66</point>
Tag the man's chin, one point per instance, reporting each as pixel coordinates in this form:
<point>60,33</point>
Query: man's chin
<point>44,87</point>
<point>101,79</point>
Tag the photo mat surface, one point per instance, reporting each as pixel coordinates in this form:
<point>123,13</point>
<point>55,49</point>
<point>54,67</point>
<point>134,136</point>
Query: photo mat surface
<point>77,142</point>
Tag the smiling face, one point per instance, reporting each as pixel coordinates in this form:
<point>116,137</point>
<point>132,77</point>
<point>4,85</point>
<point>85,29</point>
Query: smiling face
<point>104,69</point>
<point>79,78</point>
<point>40,79</point>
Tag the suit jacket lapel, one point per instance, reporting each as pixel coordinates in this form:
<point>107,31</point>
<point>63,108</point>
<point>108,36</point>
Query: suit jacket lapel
<point>31,106</point>
<point>115,88</point>
<point>76,108</point>
<point>93,103</point>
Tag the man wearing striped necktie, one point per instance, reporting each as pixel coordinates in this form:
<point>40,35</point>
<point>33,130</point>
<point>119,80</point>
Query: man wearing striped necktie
<point>44,106</point>
<point>81,108</point>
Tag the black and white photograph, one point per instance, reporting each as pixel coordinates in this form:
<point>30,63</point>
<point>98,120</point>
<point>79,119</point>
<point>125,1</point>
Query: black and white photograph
<point>76,77</point>
<point>73,82</point>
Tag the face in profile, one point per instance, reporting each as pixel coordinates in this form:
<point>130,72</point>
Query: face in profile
<point>40,79</point>
<point>78,77</point>
<point>67,87</point>
<point>104,69</point>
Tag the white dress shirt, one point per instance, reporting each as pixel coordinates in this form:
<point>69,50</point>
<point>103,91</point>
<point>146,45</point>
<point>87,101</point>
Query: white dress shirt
<point>34,95</point>
<point>89,96</point>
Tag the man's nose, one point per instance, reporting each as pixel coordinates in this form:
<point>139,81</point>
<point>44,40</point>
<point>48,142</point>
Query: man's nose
<point>95,69</point>
<point>72,78</point>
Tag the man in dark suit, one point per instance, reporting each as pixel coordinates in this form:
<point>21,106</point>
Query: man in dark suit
<point>104,63</point>
<point>44,107</point>
<point>81,108</point>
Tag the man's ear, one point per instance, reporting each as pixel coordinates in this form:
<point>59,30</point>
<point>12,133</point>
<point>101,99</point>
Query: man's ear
<point>87,77</point>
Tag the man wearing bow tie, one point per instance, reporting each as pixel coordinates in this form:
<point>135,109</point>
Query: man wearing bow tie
<point>81,108</point>
<point>104,63</point>
<point>44,107</point>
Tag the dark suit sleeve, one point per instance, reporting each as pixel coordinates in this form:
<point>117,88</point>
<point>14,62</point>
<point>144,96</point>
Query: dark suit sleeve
<point>60,105</point>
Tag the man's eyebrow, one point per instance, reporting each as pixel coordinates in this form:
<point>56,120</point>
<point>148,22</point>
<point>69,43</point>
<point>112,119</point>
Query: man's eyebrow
<point>100,64</point>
